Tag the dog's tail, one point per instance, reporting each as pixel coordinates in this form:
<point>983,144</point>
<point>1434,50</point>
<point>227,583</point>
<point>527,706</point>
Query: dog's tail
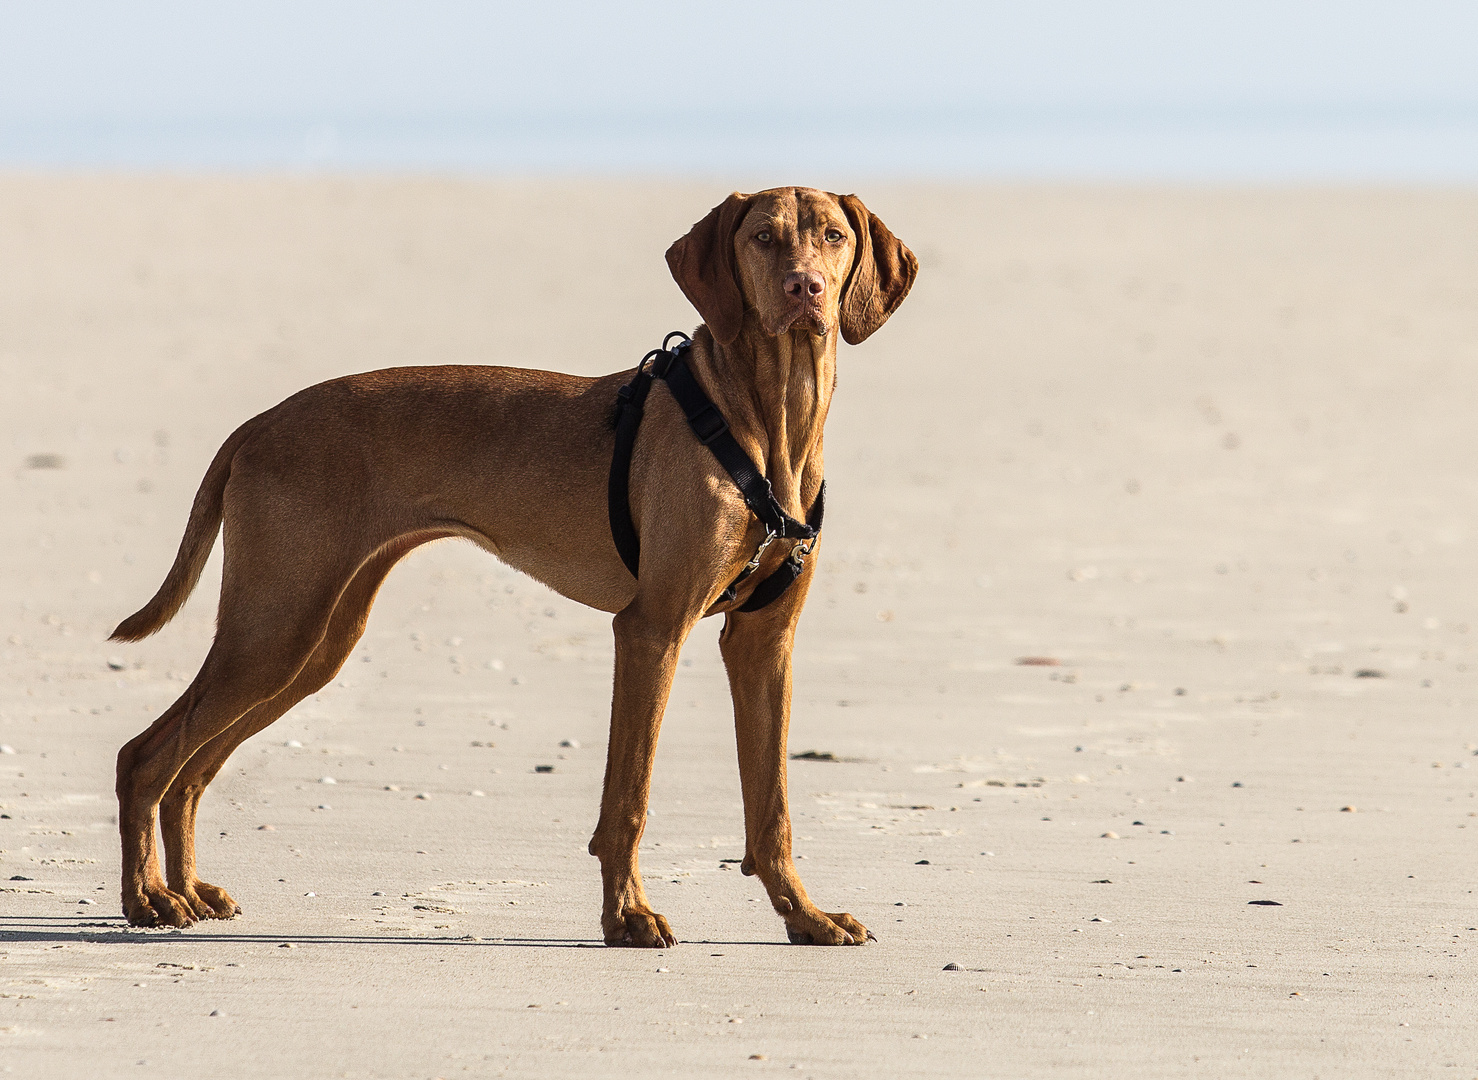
<point>199,538</point>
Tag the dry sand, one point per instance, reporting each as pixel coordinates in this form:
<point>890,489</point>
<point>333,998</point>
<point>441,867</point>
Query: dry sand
<point>1212,451</point>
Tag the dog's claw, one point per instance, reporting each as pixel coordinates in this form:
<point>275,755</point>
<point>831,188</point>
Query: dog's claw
<point>827,928</point>
<point>211,901</point>
<point>639,928</point>
<point>159,906</point>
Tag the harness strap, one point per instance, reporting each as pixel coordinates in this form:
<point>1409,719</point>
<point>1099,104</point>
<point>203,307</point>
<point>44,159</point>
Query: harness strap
<point>713,432</point>
<point>711,429</point>
<point>784,577</point>
<point>631,401</point>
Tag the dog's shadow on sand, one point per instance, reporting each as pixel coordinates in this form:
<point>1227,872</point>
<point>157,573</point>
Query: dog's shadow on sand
<point>68,929</point>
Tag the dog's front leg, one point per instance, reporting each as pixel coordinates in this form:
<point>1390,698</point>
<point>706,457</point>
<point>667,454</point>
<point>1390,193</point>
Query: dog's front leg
<point>647,649</point>
<point>756,648</point>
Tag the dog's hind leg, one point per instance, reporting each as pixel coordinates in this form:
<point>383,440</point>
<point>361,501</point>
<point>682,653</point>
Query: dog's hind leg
<point>236,677</point>
<point>178,808</point>
<point>280,585</point>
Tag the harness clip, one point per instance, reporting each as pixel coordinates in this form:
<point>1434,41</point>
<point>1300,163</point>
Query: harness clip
<point>708,424</point>
<point>754,564</point>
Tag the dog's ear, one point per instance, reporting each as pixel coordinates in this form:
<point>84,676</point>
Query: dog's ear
<point>702,263</point>
<point>883,271</point>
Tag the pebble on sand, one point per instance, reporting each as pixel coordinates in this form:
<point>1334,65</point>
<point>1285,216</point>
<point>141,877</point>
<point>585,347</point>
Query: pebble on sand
<point>1110,835</point>
<point>423,796</point>
<point>922,862</point>
<point>1347,810</point>
<point>266,828</point>
<point>6,748</point>
<point>952,966</point>
<point>1264,903</point>
<point>216,1012</point>
<point>543,768</point>
<point>327,780</point>
<point>573,744</point>
<point>1038,661</point>
<point>116,664</point>
<point>293,744</point>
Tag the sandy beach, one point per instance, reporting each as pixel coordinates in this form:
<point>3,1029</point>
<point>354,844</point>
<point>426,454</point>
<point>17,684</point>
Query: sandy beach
<point>1205,458</point>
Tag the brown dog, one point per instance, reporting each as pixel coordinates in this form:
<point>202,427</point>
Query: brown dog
<point>323,494</point>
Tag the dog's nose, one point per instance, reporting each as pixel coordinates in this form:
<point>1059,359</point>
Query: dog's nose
<point>802,284</point>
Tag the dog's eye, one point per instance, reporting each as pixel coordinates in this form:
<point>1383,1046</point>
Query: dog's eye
<point>763,237</point>
<point>833,236</point>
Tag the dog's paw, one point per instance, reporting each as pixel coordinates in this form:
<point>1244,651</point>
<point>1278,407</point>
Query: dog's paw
<point>209,901</point>
<point>639,928</point>
<point>826,928</point>
<point>158,906</point>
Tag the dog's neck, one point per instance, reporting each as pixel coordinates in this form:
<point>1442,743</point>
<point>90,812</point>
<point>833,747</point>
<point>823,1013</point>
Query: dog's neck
<point>776,390</point>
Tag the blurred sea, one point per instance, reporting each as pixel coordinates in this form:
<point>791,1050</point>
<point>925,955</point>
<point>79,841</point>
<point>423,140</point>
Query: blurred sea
<point>1346,144</point>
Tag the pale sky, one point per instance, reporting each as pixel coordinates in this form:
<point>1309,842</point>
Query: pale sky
<point>800,70</point>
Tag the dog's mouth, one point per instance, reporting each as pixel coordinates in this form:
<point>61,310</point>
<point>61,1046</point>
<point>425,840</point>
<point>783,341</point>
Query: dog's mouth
<point>803,315</point>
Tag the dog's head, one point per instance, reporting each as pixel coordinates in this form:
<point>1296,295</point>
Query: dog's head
<point>798,259</point>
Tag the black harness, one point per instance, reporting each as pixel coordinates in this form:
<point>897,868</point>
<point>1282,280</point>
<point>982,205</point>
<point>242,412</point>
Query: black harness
<point>712,430</point>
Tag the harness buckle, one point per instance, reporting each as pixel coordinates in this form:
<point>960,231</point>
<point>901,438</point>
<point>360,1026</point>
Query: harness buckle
<point>708,424</point>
